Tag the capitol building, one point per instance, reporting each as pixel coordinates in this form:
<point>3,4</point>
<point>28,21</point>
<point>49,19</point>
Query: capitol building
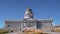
<point>29,21</point>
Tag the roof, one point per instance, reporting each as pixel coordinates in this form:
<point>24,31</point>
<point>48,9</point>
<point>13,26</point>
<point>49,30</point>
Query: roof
<point>40,21</point>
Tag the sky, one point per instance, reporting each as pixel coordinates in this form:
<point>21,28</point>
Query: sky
<point>42,9</point>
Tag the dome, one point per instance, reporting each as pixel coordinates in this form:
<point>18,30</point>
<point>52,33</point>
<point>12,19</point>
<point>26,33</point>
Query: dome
<point>28,14</point>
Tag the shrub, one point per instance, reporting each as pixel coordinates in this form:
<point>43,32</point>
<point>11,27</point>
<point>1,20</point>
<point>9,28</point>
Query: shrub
<point>4,32</point>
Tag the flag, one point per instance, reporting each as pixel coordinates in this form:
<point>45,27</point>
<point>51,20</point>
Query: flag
<point>31,14</point>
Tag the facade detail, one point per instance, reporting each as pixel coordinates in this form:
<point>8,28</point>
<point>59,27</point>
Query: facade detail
<point>27,22</point>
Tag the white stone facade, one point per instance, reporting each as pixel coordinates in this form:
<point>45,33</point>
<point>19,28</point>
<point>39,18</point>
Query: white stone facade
<point>28,21</point>
<point>20,25</point>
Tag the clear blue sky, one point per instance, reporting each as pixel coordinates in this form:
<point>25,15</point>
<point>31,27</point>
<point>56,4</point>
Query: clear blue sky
<point>42,9</point>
